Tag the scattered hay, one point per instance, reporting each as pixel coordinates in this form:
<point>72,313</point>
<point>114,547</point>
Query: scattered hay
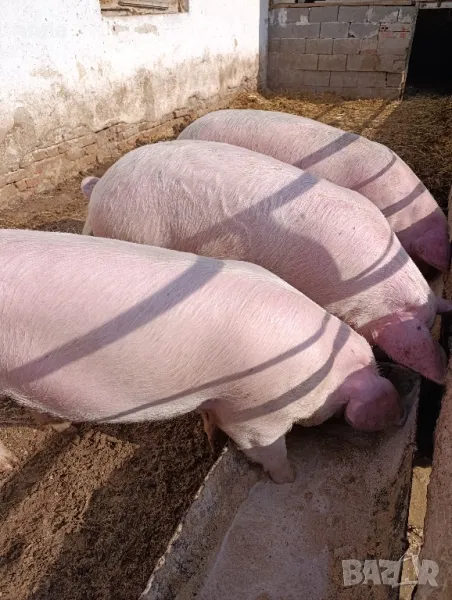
<point>419,128</point>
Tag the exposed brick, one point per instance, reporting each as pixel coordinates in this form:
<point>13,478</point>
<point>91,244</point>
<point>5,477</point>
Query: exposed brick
<point>347,46</point>
<point>394,79</point>
<point>143,126</point>
<point>74,153</point>
<point>407,14</point>
<point>383,14</point>
<point>15,176</point>
<point>363,31</point>
<point>294,46</point>
<point>402,27</point>
<point>86,162</point>
<point>25,161</point>
<point>394,63</point>
<point>372,79</point>
<point>307,62</point>
<point>297,15</point>
<point>353,14</point>
<point>323,14</point>
<point>345,79</point>
<point>368,46</point>
<point>317,78</point>
<point>51,152</point>
<point>274,45</point>
<point>306,31</point>
<point>319,46</point>
<point>361,62</point>
<point>47,165</point>
<point>334,30</point>
<point>389,44</point>
<point>8,192</point>
<point>86,140</point>
<point>34,181</point>
<point>21,185</point>
<point>64,147</point>
<point>332,62</point>
<point>91,149</point>
<point>39,155</point>
<point>3,181</point>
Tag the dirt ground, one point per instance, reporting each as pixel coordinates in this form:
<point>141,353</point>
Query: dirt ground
<point>87,516</point>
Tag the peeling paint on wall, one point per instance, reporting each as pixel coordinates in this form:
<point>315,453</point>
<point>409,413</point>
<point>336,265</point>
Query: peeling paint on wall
<point>70,69</point>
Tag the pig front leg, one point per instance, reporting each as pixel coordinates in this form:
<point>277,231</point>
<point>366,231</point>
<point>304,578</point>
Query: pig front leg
<point>262,444</point>
<point>7,459</point>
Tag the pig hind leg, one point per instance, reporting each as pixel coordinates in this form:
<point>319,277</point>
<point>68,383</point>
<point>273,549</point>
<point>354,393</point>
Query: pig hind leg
<point>263,442</point>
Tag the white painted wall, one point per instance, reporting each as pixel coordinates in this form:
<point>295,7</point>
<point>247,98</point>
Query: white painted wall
<point>62,64</point>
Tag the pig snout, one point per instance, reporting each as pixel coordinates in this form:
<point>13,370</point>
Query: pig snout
<point>373,405</point>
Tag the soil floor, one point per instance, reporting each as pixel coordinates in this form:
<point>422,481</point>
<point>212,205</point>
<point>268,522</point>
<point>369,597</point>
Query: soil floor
<point>87,516</point>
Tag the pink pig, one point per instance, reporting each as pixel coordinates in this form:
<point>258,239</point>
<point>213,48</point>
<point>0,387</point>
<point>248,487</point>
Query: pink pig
<point>330,243</point>
<point>109,331</point>
<point>346,159</point>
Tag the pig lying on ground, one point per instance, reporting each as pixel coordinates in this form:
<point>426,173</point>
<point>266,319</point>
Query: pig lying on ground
<point>346,159</point>
<point>108,331</point>
<point>328,242</point>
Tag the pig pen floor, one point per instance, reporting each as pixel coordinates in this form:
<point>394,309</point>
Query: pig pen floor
<point>87,517</point>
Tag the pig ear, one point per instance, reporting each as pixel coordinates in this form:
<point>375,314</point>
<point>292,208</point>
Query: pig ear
<point>409,342</point>
<point>434,249</point>
<point>443,306</point>
<point>87,186</point>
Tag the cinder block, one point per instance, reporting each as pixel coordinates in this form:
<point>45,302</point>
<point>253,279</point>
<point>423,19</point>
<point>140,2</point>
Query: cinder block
<point>353,14</point>
<point>273,61</point>
<point>406,27</point>
<point>392,63</point>
<point>334,30</point>
<point>394,79</point>
<point>344,80</point>
<point>274,45</point>
<point>387,44</point>
<point>297,15</point>
<point>332,62</point>
<point>312,30</point>
<point>368,46</point>
<point>361,62</point>
<point>372,79</point>
<point>323,14</point>
<point>319,46</point>
<point>335,89</point>
<point>347,46</point>
<point>383,14</point>
<point>293,46</point>
<point>280,31</point>
<point>407,14</point>
<point>363,31</point>
<point>308,62</point>
<point>317,78</point>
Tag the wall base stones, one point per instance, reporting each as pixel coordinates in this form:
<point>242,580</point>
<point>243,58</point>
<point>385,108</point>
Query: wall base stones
<point>357,51</point>
<point>81,150</point>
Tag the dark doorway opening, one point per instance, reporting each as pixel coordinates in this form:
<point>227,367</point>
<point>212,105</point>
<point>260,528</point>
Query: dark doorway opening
<point>430,65</point>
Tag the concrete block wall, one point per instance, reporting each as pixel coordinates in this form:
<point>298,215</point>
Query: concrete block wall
<point>357,51</point>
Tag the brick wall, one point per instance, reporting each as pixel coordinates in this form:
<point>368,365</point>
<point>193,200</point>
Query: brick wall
<point>355,51</point>
<point>81,150</point>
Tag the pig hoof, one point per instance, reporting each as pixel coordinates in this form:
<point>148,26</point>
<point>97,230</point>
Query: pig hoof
<point>284,474</point>
<point>8,460</point>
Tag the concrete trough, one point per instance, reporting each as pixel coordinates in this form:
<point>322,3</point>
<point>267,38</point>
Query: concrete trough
<point>245,538</point>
